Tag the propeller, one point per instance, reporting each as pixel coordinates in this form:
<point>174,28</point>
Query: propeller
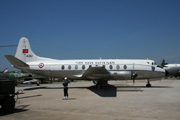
<point>134,77</point>
<point>163,63</point>
<point>166,74</point>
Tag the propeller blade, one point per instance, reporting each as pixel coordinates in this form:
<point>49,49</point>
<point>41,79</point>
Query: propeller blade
<point>134,77</point>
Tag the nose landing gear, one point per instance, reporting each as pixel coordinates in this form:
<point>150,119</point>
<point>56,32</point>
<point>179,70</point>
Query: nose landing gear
<point>148,83</point>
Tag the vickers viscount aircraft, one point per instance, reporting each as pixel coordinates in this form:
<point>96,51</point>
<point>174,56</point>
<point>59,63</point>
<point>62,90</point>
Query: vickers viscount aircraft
<point>97,70</point>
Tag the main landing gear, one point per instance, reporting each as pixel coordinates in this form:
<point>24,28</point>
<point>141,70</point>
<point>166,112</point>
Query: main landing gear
<point>148,83</point>
<point>99,84</point>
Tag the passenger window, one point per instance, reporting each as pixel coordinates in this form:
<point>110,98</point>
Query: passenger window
<point>69,67</point>
<point>90,66</point>
<point>125,66</point>
<point>117,67</point>
<point>110,67</point>
<point>62,67</point>
<point>76,67</point>
<point>83,67</point>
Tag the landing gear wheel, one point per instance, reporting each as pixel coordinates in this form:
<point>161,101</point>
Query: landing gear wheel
<point>148,85</point>
<point>8,104</point>
<point>99,86</point>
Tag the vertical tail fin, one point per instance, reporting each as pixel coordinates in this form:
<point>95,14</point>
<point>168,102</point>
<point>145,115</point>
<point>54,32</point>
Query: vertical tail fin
<point>24,52</point>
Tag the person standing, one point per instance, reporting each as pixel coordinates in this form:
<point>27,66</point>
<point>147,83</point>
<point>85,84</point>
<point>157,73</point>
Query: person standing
<point>65,84</point>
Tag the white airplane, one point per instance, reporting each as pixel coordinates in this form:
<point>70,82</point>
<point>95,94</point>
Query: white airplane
<point>172,69</point>
<point>97,70</point>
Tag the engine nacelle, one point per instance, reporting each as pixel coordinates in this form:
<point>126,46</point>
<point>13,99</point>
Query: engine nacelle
<point>117,75</point>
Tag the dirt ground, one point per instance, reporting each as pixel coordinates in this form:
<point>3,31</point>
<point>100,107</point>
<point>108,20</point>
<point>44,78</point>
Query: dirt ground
<point>121,100</point>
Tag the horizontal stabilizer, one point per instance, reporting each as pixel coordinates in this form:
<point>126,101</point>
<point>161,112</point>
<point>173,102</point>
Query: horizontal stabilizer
<point>16,62</point>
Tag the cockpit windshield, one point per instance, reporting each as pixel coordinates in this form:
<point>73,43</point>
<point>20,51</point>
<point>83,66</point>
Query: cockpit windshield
<point>154,63</point>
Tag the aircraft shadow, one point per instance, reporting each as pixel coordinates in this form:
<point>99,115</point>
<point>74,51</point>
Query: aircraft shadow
<point>106,91</point>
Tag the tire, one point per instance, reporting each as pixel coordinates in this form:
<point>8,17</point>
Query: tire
<point>8,104</point>
<point>148,85</point>
<point>99,86</point>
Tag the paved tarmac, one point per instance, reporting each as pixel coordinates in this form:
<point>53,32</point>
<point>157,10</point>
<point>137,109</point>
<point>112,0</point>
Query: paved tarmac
<point>120,101</point>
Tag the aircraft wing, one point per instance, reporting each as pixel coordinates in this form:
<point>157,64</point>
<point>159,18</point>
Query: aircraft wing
<point>16,62</point>
<point>96,73</point>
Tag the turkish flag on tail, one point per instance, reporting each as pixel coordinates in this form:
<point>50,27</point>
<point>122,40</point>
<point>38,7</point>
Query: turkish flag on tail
<point>25,50</point>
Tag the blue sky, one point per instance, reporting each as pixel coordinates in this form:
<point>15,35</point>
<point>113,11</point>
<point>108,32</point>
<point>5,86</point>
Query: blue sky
<point>89,29</point>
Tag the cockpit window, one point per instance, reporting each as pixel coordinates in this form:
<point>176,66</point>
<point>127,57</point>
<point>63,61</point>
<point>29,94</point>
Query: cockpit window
<point>153,63</point>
